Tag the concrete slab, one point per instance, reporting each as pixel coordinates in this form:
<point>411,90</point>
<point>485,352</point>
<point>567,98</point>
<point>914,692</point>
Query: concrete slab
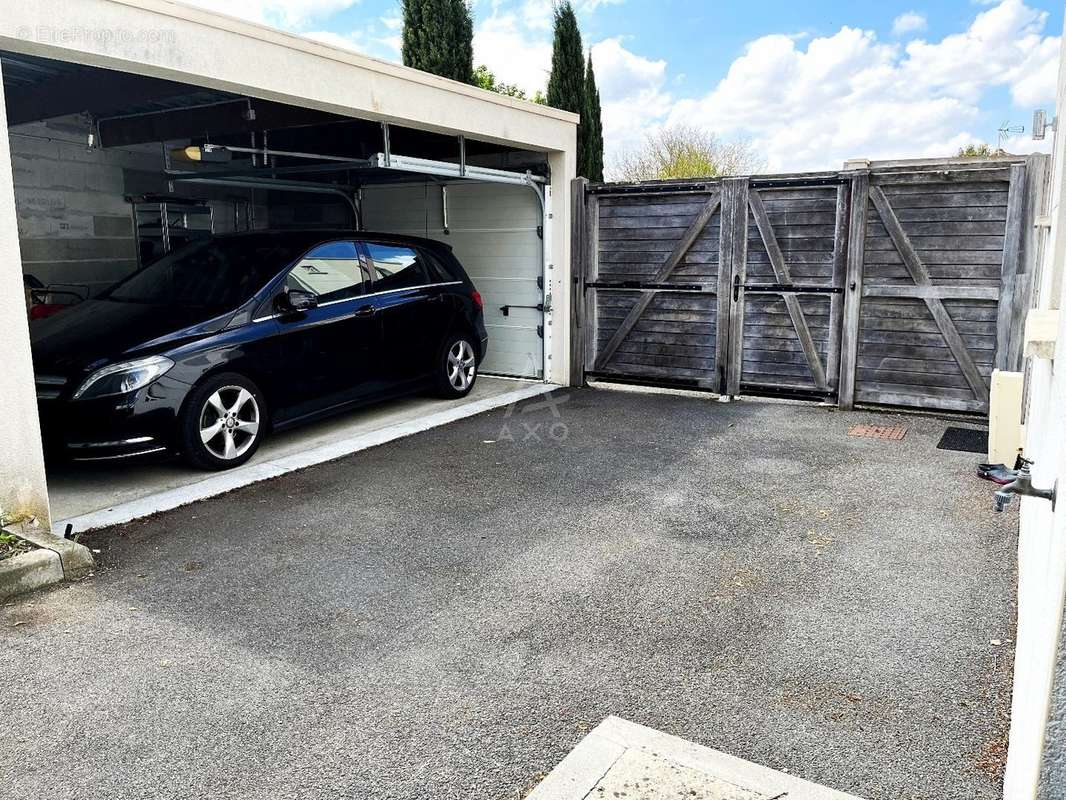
<point>623,759</point>
<point>108,493</point>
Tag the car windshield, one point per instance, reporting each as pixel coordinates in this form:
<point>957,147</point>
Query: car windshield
<point>216,274</point>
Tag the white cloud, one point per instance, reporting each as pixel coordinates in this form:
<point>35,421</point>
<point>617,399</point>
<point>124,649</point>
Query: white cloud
<point>502,42</point>
<point>631,92</point>
<point>279,13</point>
<point>908,22</point>
<point>850,95</point>
<point>386,47</point>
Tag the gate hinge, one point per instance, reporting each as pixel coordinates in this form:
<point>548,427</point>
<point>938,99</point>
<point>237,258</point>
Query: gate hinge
<point>546,306</point>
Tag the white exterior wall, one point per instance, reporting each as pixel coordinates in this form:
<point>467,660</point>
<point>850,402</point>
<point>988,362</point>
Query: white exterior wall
<point>22,484</point>
<point>168,40</point>
<point>1042,542</point>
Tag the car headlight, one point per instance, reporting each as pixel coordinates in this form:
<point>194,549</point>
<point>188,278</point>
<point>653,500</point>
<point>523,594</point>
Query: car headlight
<point>124,377</point>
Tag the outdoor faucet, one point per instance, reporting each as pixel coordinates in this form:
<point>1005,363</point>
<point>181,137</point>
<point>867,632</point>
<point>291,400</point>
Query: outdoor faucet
<point>1023,485</point>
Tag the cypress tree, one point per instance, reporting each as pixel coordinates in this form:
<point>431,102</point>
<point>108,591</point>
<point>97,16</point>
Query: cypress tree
<point>566,84</point>
<point>438,37</point>
<point>592,120</point>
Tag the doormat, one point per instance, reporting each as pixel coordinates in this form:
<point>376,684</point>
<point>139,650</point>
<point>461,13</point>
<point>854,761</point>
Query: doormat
<point>965,440</point>
<point>891,432</point>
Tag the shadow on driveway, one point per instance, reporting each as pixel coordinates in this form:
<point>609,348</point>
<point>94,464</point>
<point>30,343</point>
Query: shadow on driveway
<point>446,616</point>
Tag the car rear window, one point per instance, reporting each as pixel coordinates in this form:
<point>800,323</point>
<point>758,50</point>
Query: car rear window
<point>216,274</point>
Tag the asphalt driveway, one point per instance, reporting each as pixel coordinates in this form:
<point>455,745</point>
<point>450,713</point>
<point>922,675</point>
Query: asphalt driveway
<point>446,616</point>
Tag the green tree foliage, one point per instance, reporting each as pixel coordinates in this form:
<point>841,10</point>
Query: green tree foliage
<point>592,120</point>
<point>972,150</point>
<point>566,84</point>
<point>685,152</point>
<point>484,78</point>
<point>438,37</point>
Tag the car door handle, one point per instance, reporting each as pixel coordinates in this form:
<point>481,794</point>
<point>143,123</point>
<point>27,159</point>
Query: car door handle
<point>365,311</point>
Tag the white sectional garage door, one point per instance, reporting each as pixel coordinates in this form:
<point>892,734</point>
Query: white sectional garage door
<point>493,232</point>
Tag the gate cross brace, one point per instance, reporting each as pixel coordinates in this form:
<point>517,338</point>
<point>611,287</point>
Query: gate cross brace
<point>792,303</point>
<point>664,272</point>
<point>920,274</point>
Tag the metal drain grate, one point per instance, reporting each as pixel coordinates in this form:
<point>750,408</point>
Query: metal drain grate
<point>892,432</point>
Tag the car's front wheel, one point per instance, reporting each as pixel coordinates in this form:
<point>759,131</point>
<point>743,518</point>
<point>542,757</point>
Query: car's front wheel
<point>223,422</point>
<point>456,369</point>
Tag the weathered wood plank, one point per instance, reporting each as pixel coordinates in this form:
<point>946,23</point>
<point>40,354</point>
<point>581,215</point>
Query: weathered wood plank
<point>777,260</point>
<point>933,292</point>
<point>917,397</point>
<point>663,272</point>
<point>836,302</point>
<point>579,247</point>
<point>592,274</point>
<point>849,334</point>
<point>926,176</point>
<point>1012,259</point>
<point>738,259</point>
<point>1037,174</point>
<point>936,307</point>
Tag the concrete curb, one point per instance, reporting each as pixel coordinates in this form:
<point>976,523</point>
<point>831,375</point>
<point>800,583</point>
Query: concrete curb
<point>76,559</point>
<point>617,744</point>
<point>54,560</point>
<point>29,571</point>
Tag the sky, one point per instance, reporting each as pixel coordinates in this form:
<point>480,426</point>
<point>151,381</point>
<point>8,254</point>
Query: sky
<point>808,84</point>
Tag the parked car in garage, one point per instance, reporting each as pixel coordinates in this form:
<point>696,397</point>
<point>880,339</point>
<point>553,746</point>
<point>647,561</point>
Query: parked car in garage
<point>208,349</point>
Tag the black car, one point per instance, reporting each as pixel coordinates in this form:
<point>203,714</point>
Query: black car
<point>206,350</point>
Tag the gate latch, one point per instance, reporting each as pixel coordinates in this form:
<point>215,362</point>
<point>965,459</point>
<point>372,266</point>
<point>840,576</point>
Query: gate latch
<point>736,288</point>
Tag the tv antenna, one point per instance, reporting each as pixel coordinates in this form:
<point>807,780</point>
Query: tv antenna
<point>1006,130</point>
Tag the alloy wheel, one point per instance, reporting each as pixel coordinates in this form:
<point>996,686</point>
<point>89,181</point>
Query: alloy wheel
<point>229,422</point>
<point>461,365</point>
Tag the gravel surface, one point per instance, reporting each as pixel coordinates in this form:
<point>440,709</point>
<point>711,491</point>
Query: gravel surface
<point>447,615</point>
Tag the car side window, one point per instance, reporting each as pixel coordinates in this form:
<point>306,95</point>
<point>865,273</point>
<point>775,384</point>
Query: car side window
<point>331,271</point>
<point>438,272</point>
<point>397,267</point>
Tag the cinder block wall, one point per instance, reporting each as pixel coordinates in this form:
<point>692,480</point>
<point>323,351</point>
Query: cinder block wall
<point>75,225</point>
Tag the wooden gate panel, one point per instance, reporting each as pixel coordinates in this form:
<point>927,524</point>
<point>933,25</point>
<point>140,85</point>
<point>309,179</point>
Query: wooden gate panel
<point>672,340</point>
<point>638,233</point>
<point>774,355</point>
<point>931,285</point>
<point>644,329</point>
<point>793,237</point>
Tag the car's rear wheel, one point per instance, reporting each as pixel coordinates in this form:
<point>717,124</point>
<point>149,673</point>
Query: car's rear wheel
<point>223,422</point>
<point>456,370</point>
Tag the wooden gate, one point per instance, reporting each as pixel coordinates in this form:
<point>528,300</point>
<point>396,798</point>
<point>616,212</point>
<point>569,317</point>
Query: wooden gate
<point>787,280</point>
<point>903,285</point>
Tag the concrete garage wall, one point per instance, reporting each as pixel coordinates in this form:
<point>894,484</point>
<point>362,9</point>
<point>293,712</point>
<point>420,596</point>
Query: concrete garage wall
<point>74,225</point>
<point>22,481</point>
<point>1036,763</point>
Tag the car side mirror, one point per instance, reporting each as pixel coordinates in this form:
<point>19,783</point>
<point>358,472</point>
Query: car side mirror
<point>295,300</point>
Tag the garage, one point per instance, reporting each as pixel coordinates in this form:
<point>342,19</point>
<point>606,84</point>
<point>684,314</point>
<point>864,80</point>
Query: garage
<point>125,149</point>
